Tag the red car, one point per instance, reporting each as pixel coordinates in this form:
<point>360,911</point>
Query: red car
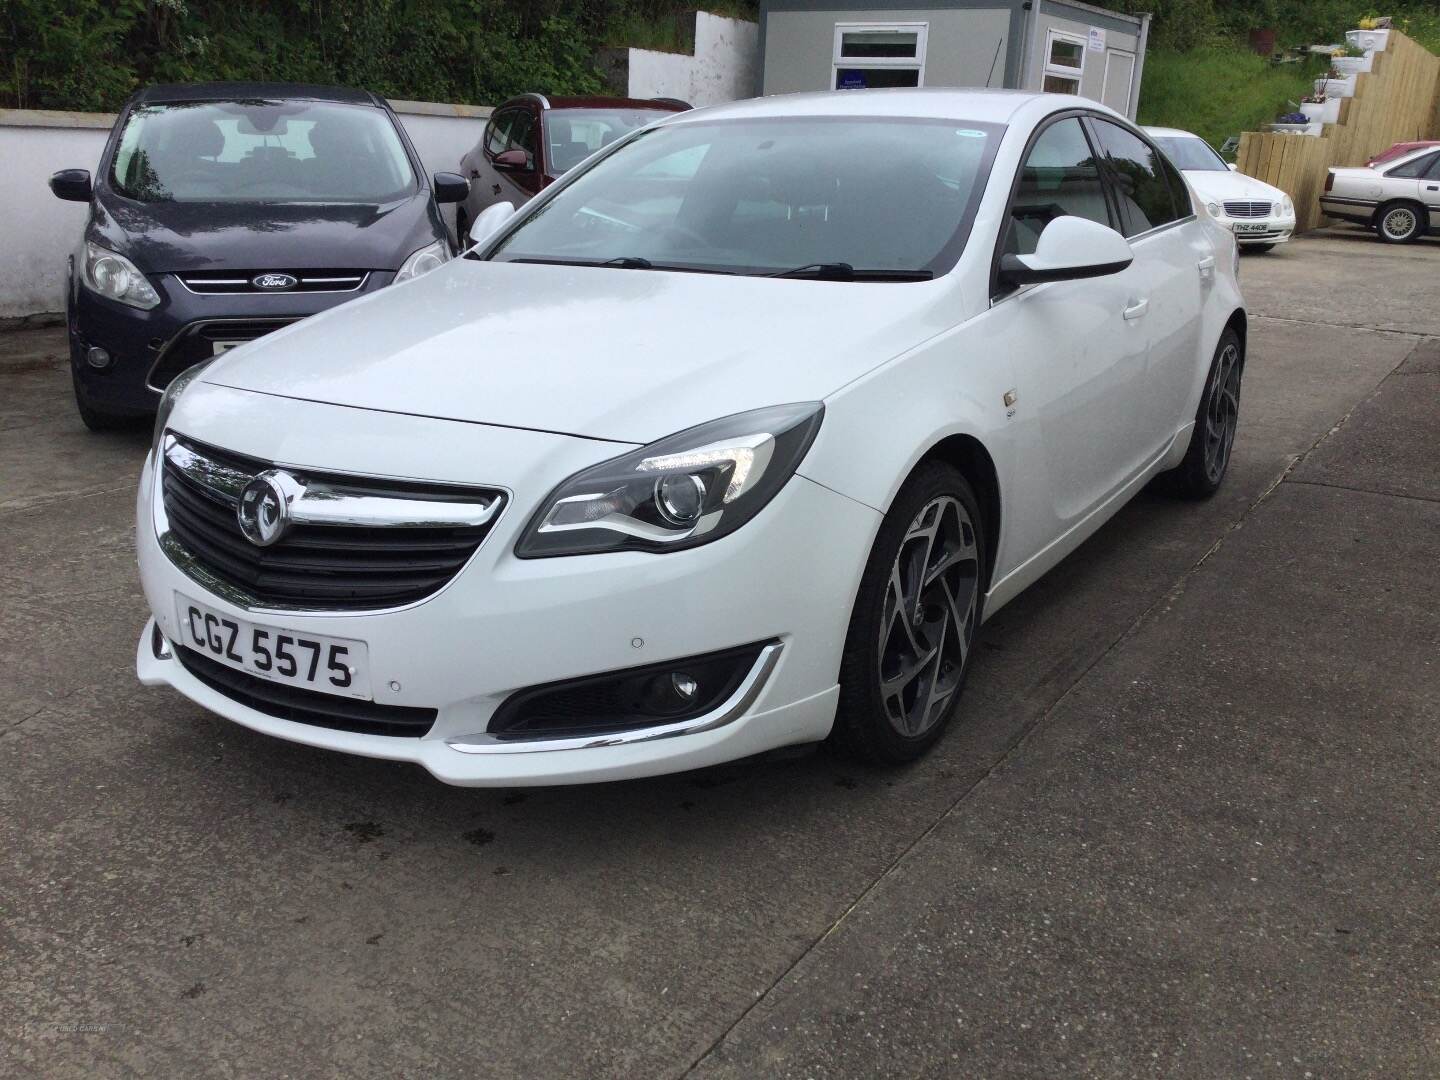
<point>532,140</point>
<point>1400,149</point>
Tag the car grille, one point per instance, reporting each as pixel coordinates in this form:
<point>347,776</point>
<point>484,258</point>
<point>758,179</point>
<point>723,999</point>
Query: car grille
<point>197,342</point>
<point>306,706</point>
<point>226,282</point>
<point>313,567</point>
<point>1248,209</point>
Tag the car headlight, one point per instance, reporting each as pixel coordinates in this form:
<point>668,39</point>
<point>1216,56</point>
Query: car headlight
<point>115,277</point>
<point>1287,208</point>
<point>168,399</point>
<point>423,261</point>
<point>1213,208</point>
<point>687,489</point>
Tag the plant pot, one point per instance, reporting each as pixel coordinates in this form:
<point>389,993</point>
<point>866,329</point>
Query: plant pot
<point>1353,65</point>
<point>1297,129</point>
<point>1340,88</point>
<point>1369,40</point>
<point>1314,110</point>
<point>1330,111</point>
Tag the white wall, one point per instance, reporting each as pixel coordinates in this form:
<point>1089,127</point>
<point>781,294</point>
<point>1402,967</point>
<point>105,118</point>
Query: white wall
<point>724,67</point>
<point>38,231</point>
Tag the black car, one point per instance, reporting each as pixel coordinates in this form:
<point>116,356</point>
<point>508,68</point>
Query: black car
<point>223,211</point>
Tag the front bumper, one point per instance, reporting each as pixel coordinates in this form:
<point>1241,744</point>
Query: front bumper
<point>150,347</point>
<point>505,624</point>
<point>1276,230</point>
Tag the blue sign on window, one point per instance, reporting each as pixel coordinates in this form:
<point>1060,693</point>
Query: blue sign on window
<point>850,79</point>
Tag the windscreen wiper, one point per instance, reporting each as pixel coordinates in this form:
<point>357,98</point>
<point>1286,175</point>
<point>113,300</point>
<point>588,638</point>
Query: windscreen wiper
<point>630,262</point>
<point>843,271</point>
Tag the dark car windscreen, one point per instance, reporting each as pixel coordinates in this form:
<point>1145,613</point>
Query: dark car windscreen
<point>770,195</point>
<point>1192,154</point>
<point>261,151</point>
<point>572,135</point>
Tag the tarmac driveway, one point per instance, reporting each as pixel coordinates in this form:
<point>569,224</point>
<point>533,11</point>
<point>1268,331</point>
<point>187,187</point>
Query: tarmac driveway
<point>1187,826</point>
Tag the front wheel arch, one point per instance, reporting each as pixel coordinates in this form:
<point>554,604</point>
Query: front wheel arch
<point>968,454</point>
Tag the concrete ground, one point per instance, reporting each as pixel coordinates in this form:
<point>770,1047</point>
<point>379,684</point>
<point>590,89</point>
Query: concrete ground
<point>1186,827</point>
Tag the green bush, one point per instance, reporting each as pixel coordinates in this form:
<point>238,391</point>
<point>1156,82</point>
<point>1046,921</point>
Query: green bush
<point>1218,92</point>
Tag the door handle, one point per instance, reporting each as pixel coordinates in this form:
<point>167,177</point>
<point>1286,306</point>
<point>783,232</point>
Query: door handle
<point>1137,308</point>
<point>1206,266</point>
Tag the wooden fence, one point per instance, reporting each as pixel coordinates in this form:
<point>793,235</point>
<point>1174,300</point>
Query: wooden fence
<point>1397,101</point>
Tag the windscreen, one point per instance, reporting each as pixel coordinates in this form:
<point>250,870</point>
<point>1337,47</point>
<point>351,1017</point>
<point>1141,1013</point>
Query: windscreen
<point>1187,152</point>
<point>770,195</point>
<point>574,134</point>
<point>261,151</point>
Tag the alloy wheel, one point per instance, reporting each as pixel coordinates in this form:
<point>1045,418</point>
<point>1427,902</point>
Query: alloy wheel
<point>1222,414</point>
<point>1399,223</point>
<point>928,619</point>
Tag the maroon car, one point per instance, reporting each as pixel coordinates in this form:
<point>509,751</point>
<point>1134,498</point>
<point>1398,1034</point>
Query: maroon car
<point>1400,149</point>
<point>531,140</point>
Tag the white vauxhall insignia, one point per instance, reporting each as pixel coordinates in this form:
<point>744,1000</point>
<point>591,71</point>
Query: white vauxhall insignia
<point>727,441</point>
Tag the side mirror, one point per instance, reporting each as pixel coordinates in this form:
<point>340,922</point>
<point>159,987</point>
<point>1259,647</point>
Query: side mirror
<point>72,185</point>
<point>490,221</point>
<point>1069,248</point>
<point>512,161</point>
<point>1234,167</point>
<point>450,187</point>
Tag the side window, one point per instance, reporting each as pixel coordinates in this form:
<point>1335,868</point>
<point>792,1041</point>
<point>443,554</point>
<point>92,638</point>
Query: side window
<point>1179,190</point>
<point>521,135</point>
<point>1434,172</point>
<point>1138,177</point>
<point>1059,177</point>
<point>1413,170</point>
<point>497,133</point>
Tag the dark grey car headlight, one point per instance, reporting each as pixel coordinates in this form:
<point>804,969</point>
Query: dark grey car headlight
<point>687,489</point>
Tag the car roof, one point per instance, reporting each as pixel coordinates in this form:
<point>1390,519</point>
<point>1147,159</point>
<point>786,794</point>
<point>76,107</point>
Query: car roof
<point>1165,132</point>
<point>939,103</point>
<point>232,91</point>
<point>596,102</point>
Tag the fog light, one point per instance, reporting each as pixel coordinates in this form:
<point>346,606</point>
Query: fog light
<point>97,358</point>
<point>621,700</point>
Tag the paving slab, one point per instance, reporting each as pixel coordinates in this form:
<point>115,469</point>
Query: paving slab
<point>1391,440</point>
<point>1216,858</point>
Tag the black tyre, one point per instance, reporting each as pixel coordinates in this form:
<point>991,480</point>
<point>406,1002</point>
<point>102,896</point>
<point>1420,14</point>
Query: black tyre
<point>921,599</point>
<point>1208,457</point>
<point>94,418</point>
<point>1400,222</point>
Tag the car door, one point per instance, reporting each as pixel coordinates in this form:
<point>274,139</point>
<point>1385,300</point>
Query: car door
<point>513,128</point>
<point>1430,191</point>
<point>1416,180</point>
<point>1078,363</point>
<point>1174,266</point>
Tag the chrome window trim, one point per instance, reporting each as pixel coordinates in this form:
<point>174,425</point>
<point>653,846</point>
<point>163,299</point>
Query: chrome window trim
<point>187,563</point>
<point>363,276</point>
<point>319,503</point>
<point>727,712</point>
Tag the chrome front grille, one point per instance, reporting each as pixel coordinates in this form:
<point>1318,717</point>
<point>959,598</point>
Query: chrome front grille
<point>221,282</point>
<point>1248,209</point>
<point>350,543</point>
